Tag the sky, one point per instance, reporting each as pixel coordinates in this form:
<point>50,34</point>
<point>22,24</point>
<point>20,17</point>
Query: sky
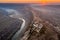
<point>31,1</point>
